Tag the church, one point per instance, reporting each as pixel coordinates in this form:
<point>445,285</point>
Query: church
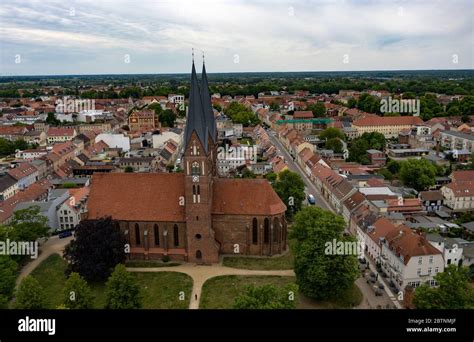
<point>195,215</point>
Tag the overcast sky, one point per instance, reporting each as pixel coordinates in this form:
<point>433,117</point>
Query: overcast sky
<point>144,36</point>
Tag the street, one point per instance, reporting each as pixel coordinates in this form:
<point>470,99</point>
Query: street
<point>320,201</point>
<point>293,166</point>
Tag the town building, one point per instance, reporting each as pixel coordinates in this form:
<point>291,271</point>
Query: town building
<point>389,126</point>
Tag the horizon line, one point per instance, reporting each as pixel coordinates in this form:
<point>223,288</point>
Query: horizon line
<point>234,72</point>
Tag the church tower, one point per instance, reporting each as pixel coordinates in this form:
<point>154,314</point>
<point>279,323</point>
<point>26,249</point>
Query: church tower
<point>200,168</point>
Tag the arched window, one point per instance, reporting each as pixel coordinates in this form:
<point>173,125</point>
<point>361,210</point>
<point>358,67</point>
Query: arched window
<point>176,235</point>
<point>156,233</point>
<point>266,230</point>
<point>137,234</point>
<point>195,169</point>
<point>254,231</point>
<point>276,229</point>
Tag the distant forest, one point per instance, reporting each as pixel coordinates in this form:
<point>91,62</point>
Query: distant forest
<point>449,82</point>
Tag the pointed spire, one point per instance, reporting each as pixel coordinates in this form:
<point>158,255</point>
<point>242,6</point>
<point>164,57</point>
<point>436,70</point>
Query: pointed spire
<point>196,121</point>
<point>207,105</point>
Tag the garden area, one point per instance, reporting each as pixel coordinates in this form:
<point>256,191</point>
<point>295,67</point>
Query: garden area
<point>159,290</point>
<point>221,292</point>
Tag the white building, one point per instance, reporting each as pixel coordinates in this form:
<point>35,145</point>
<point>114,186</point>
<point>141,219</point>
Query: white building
<point>160,139</point>
<point>409,259</point>
<point>115,140</point>
<point>451,249</point>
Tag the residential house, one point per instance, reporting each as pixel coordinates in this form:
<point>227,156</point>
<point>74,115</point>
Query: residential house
<point>8,186</point>
<point>60,134</point>
<point>25,174</point>
<point>409,259</point>
<point>431,200</point>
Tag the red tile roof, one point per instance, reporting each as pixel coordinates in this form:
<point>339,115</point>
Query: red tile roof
<point>61,131</point>
<point>22,170</point>
<point>382,227</point>
<point>463,176</point>
<point>307,114</point>
<point>388,121</point>
<point>246,197</point>
<point>137,196</point>
<point>406,243</point>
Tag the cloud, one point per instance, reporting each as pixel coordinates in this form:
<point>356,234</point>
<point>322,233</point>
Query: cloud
<point>86,36</point>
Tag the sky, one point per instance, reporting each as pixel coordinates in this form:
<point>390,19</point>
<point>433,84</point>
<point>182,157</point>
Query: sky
<point>49,37</point>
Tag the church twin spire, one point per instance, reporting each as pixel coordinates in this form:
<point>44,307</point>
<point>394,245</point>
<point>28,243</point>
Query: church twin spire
<point>200,113</point>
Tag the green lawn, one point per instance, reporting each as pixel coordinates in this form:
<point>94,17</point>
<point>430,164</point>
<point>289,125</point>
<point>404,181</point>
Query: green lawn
<point>282,262</point>
<point>50,274</point>
<point>220,292</point>
<point>160,290</point>
<point>150,263</point>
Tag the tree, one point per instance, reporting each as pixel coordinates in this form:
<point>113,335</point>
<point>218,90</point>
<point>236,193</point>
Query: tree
<point>334,144</point>
<point>271,177</point>
<point>128,169</point>
<point>274,107</point>
<point>418,173</point>
<point>352,103</point>
<point>267,297</point>
<point>246,173</point>
<point>30,295</point>
<point>97,248</point>
<point>51,119</point>
<point>290,188</point>
<point>238,113</point>
<point>332,132</point>
<point>453,292</point>
<point>321,275</point>
<point>167,118</point>
<point>359,146</point>
<point>122,290</point>
<point>77,294</point>
<point>8,268</point>
<point>28,224</point>
<point>318,109</point>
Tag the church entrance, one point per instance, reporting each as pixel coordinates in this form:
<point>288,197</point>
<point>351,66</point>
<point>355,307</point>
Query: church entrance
<point>198,255</point>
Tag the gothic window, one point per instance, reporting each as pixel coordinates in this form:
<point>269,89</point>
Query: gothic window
<point>156,232</point>
<point>137,234</point>
<point>176,235</point>
<point>255,231</point>
<point>276,229</point>
<point>195,169</point>
<point>266,230</point>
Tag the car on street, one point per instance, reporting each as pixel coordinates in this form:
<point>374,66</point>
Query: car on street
<point>311,199</point>
<point>65,234</point>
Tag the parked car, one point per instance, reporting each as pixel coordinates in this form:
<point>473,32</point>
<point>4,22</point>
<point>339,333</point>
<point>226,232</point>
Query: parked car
<point>65,234</point>
<point>311,199</point>
<point>381,286</point>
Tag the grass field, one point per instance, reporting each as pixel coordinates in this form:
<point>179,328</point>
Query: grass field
<point>282,262</point>
<point>220,292</point>
<point>160,290</point>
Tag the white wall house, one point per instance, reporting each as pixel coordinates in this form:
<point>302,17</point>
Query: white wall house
<point>451,249</point>
<point>409,259</point>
